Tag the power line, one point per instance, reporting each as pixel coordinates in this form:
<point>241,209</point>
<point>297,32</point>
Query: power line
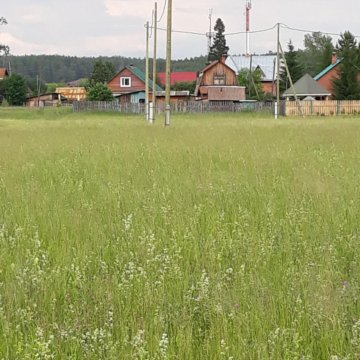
<point>163,12</point>
<point>226,34</point>
<point>183,32</point>
<point>251,32</point>
<point>312,31</point>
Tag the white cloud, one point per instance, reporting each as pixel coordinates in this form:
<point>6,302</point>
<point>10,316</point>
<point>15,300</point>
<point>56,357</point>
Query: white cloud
<point>135,8</point>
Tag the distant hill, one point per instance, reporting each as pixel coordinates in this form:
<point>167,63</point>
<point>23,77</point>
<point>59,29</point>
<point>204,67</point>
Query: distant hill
<point>56,68</point>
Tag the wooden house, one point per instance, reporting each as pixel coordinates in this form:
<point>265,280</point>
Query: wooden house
<point>72,93</point>
<point>51,99</point>
<point>218,82</point>
<point>3,73</point>
<point>266,64</point>
<point>129,85</point>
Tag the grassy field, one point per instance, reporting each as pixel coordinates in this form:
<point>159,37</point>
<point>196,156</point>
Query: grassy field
<point>222,237</point>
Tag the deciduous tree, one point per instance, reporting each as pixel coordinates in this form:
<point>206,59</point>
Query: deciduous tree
<point>102,72</point>
<point>15,90</point>
<point>317,53</point>
<point>99,92</point>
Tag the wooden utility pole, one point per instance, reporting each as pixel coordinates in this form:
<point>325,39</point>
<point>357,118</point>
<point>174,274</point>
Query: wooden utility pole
<point>278,73</point>
<point>147,74</point>
<point>154,66</point>
<point>168,64</point>
<point>291,82</point>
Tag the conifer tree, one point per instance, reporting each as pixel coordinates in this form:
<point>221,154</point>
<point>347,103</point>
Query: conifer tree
<point>295,68</point>
<point>219,48</point>
<point>346,86</point>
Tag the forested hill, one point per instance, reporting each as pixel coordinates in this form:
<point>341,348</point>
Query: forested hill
<point>56,68</point>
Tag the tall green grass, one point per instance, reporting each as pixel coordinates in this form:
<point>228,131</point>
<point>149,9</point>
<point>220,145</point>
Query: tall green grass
<point>221,237</point>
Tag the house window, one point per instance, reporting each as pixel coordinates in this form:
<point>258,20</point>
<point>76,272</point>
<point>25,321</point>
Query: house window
<point>219,80</point>
<point>125,82</point>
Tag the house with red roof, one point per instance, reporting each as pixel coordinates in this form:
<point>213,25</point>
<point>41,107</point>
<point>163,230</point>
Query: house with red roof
<point>177,77</point>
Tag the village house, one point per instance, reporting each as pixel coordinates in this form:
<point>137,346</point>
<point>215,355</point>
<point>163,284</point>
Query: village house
<point>72,93</point>
<point>218,82</point>
<point>264,63</point>
<point>3,73</point>
<point>177,77</point>
<point>51,99</point>
<point>128,85</point>
<point>329,74</point>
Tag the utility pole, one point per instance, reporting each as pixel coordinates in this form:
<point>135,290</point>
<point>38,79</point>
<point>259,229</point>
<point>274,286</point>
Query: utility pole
<point>168,63</point>
<point>278,73</point>
<point>38,89</point>
<point>147,74</point>
<point>248,8</point>
<point>291,82</point>
<point>154,66</point>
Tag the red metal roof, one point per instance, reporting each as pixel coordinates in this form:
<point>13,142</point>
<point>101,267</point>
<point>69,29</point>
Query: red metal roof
<point>177,77</point>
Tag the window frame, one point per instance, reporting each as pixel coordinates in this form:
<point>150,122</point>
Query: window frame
<point>123,80</point>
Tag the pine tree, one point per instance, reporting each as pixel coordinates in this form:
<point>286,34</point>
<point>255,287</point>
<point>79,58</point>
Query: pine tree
<point>219,48</point>
<point>346,86</point>
<point>294,66</point>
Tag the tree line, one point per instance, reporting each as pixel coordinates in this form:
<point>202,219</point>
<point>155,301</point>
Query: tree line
<point>36,73</point>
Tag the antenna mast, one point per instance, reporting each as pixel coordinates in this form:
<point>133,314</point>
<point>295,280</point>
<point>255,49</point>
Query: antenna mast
<point>248,8</point>
<point>210,34</point>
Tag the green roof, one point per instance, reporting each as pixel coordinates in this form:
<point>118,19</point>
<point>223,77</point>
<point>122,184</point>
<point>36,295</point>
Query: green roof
<point>327,69</point>
<point>137,72</point>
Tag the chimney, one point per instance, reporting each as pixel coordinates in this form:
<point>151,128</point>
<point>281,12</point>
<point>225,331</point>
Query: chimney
<point>223,58</point>
<point>333,58</point>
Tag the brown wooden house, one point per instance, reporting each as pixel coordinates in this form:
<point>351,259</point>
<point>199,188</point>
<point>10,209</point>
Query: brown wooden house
<point>218,82</point>
<point>3,73</point>
<point>130,80</point>
<point>50,99</point>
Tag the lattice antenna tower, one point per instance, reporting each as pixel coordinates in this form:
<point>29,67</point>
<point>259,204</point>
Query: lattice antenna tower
<point>210,34</point>
<point>248,9</point>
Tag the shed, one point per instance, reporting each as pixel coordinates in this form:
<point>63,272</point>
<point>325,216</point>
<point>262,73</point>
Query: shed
<point>50,99</point>
<point>307,86</point>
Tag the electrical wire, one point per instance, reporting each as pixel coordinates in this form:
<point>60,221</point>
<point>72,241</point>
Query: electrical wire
<point>163,12</point>
<point>183,32</point>
<point>312,31</point>
<point>226,34</point>
<point>251,32</point>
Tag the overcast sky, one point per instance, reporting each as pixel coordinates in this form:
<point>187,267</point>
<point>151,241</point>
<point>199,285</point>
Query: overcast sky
<point>116,27</point>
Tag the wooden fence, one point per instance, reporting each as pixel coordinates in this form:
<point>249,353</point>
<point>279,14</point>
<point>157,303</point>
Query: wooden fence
<point>322,108</point>
<point>176,107</point>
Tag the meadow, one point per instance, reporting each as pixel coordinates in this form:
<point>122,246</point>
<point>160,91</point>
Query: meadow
<point>225,236</point>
